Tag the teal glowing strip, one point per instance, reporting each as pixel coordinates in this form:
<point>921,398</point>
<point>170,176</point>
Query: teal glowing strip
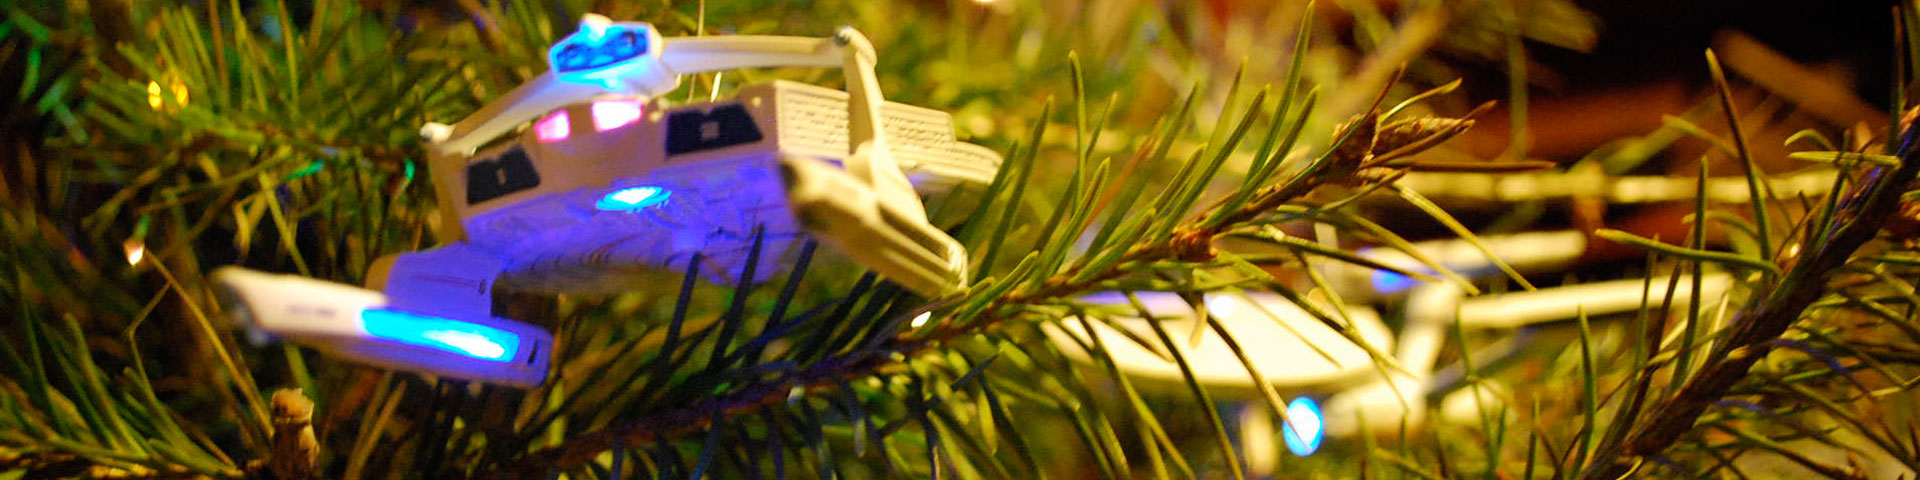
<point>633,198</point>
<point>454,336</point>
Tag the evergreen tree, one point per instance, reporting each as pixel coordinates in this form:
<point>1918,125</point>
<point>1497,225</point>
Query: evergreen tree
<point>150,142</point>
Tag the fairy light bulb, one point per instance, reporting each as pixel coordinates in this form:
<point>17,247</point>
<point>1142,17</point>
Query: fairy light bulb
<point>136,250</point>
<point>153,95</point>
<point>157,96</point>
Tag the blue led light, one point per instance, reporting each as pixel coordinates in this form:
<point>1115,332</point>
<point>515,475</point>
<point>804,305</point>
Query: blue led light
<point>1389,282</point>
<point>454,336</point>
<point>1304,428</point>
<point>603,55</point>
<point>632,198</point>
<point>586,51</point>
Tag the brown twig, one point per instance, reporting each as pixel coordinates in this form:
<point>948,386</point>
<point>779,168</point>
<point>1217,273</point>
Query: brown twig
<point>295,451</point>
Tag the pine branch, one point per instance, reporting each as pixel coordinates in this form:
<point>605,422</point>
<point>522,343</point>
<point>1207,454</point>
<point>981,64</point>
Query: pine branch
<point>1763,320</point>
<point>667,423</point>
<point>65,465</point>
<point>873,347</point>
<point>1189,243</point>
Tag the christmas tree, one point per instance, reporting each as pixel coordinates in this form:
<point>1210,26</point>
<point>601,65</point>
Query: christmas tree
<point>1203,219</point>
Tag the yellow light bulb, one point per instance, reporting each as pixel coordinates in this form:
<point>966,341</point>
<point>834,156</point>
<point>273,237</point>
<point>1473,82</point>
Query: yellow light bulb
<point>153,95</point>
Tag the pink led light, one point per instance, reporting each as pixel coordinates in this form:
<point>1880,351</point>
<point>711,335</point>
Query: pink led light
<point>612,114</point>
<point>554,128</point>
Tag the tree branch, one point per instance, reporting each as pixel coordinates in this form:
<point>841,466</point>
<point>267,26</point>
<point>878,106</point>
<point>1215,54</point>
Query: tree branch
<point>1190,241</point>
<point>1765,318</point>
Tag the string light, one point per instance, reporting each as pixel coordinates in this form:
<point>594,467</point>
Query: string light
<point>157,96</point>
<point>136,250</point>
<point>153,95</point>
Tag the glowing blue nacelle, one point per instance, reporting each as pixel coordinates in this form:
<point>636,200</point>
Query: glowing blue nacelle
<point>360,325</point>
<point>444,334</point>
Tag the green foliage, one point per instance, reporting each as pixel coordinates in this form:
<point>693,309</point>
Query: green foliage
<point>283,137</point>
<point>286,139</point>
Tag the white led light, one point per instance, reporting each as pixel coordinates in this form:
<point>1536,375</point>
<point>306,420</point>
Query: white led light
<point>1223,305</point>
<point>921,319</point>
<point>612,114</point>
<point>595,26</point>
